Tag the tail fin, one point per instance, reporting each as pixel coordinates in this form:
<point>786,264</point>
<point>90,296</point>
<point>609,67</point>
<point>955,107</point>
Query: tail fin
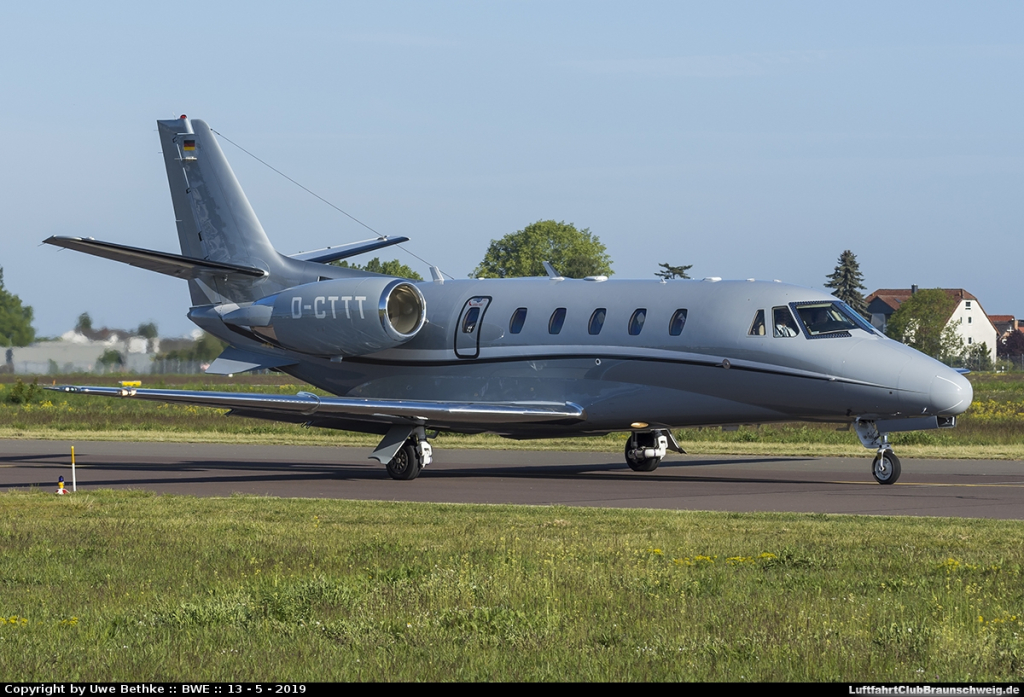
<point>214,218</point>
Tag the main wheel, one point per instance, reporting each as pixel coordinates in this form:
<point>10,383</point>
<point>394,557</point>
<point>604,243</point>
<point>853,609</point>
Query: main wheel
<point>642,464</point>
<point>405,465</point>
<point>886,468</point>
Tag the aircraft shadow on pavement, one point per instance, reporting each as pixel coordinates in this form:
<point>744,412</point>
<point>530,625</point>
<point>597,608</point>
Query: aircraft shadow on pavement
<point>209,472</point>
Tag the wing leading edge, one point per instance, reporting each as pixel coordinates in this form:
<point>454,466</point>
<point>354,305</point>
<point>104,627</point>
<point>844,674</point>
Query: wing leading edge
<point>380,411</point>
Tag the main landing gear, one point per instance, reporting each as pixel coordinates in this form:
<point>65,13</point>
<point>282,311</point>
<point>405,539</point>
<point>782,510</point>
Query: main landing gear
<point>413,456</point>
<point>404,451</point>
<point>645,449</point>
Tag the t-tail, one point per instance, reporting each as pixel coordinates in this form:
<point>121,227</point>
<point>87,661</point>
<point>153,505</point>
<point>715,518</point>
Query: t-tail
<point>215,220</point>
<point>226,255</point>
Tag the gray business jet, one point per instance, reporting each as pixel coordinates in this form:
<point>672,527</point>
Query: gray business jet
<point>525,357</point>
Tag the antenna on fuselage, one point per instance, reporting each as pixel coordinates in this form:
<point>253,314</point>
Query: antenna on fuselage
<point>552,273</point>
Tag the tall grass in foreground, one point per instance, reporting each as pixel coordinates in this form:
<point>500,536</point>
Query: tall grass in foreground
<point>115,586</point>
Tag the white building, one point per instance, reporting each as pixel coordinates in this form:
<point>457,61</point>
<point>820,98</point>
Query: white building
<point>973,325</point>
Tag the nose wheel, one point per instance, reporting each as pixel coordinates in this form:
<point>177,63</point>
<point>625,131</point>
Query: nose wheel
<point>886,467</point>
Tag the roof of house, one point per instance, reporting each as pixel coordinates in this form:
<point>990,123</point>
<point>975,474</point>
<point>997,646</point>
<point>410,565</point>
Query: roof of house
<point>894,297</point>
<point>1001,318</point>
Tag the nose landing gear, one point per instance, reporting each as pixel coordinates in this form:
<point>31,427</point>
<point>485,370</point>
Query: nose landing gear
<point>885,468</point>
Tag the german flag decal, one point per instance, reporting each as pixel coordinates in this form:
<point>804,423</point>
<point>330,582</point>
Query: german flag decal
<point>189,145</point>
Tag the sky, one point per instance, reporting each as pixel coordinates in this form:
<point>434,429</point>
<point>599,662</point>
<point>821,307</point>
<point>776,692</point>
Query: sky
<point>751,140</point>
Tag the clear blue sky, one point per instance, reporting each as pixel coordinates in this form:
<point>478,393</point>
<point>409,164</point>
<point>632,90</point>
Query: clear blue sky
<point>752,140</point>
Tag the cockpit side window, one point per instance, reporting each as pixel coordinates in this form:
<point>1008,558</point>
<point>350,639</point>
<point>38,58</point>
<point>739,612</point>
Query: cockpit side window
<point>676,324</point>
<point>597,320</point>
<point>783,323</point>
<point>757,326</point>
<point>515,325</point>
<point>828,319</point>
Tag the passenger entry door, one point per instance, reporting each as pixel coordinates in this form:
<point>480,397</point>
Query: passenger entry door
<point>467,330</point>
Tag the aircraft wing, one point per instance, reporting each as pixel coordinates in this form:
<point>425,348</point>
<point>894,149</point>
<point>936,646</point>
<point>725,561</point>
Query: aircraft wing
<point>380,411</point>
<point>161,262</point>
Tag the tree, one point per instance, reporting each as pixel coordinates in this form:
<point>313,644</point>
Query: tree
<point>1011,345</point>
<point>147,330</point>
<point>848,282</point>
<point>15,319</point>
<point>388,268</point>
<point>669,272</point>
<point>574,253</point>
<point>84,324</point>
<point>976,357</point>
<point>922,322</point>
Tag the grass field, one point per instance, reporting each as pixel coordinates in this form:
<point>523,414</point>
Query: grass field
<point>112,586</point>
<point>992,428</point>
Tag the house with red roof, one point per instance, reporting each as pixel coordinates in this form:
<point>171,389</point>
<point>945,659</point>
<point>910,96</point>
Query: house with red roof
<point>971,322</point>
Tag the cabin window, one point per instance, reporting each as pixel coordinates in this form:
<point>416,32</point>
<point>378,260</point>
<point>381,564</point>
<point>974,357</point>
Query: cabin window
<point>556,321</point>
<point>636,322</point>
<point>470,320</point>
<point>783,323</point>
<point>597,320</point>
<point>757,326</point>
<point>515,325</point>
<point>676,324</point>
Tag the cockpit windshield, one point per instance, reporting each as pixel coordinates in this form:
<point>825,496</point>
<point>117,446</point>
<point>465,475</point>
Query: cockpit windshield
<point>829,319</point>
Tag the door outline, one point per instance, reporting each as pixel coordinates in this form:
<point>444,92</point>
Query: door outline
<point>467,344</point>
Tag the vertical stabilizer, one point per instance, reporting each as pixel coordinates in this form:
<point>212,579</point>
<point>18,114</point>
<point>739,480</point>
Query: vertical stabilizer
<point>214,218</point>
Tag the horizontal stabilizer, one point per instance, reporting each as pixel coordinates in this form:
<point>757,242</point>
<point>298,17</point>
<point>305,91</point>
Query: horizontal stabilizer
<point>234,360</point>
<point>387,411</point>
<point>161,262</point>
<point>344,251</point>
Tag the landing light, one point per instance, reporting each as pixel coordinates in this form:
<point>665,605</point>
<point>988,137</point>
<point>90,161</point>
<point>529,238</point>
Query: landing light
<point>638,424</point>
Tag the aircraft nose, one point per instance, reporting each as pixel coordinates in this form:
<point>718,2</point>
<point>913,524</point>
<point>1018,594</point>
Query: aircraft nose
<point>950,393</point>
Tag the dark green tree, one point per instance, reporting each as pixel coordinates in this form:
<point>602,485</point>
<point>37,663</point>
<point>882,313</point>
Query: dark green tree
<point>1011,344</point>
<point>922,322</point>
<point>15,319</point>
<point>84,324</point>
<point>147,330</point>
<point>388,268</point>
<point>668,272</point>
<point>574,253</point>
<point>847,282</point>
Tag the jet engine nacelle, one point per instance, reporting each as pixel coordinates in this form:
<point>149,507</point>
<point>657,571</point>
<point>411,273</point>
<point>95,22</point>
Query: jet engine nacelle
<point>342,317</point>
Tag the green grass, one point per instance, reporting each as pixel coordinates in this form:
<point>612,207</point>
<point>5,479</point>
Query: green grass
<point>992,428</point>
<point>112,586</point>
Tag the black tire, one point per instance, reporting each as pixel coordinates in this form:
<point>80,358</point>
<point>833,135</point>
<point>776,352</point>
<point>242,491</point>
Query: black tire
<point>405,465</point>
<point>643,464</point>
<point>886,468</point>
